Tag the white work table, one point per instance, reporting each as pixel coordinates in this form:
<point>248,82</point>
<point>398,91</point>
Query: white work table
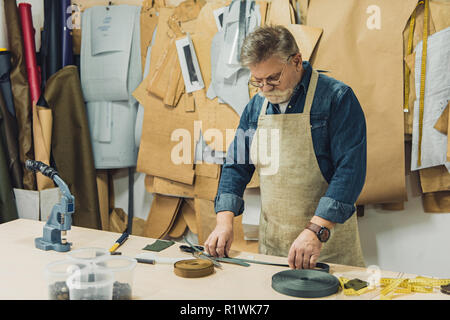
<point>22,270</point>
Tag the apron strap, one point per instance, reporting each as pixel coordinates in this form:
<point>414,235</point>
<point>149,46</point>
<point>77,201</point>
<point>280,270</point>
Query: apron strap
<point>264,107</point>
<point>311,91</point>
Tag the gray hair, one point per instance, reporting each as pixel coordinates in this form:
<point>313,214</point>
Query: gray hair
<point>265,42</point>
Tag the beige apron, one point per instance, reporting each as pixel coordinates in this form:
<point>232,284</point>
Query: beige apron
<point>289,196</point>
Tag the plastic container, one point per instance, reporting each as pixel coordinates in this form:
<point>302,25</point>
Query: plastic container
<point>123,270</point>
<point>89,255</point>
<point>56,274</point>
<point>91,283</point>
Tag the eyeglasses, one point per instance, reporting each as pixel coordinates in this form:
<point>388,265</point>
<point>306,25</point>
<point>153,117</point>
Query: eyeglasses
<point>272,80</point>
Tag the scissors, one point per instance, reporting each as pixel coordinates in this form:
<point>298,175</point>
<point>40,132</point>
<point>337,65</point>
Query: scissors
<point>199,251</point>
<point>189,249</point>
<point>196,252</point>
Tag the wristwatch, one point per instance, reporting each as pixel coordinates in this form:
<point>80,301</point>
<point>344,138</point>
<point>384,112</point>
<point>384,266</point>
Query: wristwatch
<point>322,233</point>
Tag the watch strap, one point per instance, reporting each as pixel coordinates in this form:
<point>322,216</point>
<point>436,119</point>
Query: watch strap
<point>317,230</point>
<point>313,227</point>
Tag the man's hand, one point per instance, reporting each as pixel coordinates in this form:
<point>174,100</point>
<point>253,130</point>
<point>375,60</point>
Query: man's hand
<point>304,251</point>
<point>219,241</point>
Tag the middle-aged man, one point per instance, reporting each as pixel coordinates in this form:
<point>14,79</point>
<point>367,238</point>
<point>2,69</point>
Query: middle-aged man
<point>308,202</point>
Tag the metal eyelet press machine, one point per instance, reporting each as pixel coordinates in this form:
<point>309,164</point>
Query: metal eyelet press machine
<point>60,219</point>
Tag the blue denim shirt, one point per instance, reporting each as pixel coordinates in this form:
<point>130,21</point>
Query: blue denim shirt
<point>338,130</point>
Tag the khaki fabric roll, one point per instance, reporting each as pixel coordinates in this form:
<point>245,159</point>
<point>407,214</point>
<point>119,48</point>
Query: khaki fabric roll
<point>194,268</point>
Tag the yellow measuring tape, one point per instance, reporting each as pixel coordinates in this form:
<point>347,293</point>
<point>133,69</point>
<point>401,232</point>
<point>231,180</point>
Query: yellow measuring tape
<point>422,80</point>
<point>352,291</point>
<point>391,286</point>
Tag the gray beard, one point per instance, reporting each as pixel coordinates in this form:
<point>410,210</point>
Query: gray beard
<point>276,96</point>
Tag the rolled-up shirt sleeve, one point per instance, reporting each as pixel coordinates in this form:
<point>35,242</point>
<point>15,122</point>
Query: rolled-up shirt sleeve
<point>348,146</point>
<point>237,170</point>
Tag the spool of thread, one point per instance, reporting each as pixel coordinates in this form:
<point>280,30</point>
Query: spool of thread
<point>194,268</point>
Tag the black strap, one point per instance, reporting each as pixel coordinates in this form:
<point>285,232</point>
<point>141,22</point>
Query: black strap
<point>320,266</point>
<point>305,283</point>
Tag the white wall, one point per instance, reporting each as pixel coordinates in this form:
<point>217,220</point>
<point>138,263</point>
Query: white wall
<point>410,240</point>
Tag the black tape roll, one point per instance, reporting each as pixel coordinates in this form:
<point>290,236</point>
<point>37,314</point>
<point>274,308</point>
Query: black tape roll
<point>320,266</point>
<point>305,283</point>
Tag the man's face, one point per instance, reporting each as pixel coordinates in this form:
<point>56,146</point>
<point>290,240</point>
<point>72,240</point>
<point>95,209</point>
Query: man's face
<point>288,72</point>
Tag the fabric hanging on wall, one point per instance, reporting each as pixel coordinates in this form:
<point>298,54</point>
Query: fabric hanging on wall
<point>8,209</point>
<point>3,30</point>
<point>71,144</point>
<point>10,122</point>
<point>21,91</point>
<point>357,35</point>
<point>51,41</point>
<point>67,43</point>
<point>30,51</point>
<point>140,112</point>
<point>41,140</point>
<point>5,81</point>
<point>10,141</point>
<point>42,135</point>
<point>112,133</point>
<point>110,71</point>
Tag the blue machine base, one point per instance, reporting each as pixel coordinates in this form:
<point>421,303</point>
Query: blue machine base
<point>45,245</point>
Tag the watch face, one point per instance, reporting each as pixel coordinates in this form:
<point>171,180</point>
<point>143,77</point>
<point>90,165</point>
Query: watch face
<point>324,234</point>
